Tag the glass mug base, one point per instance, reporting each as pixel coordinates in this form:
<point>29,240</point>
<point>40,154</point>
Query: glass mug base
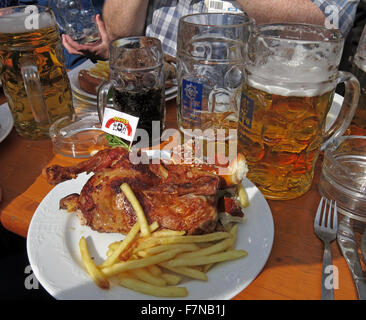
<point>220,146</point>
<point>283,188</point>
<point>33,130</point>
<point>34,134</point>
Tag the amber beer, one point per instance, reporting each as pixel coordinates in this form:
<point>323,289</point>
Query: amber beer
<point>34,103</point>
<point>292,72</point>
<point>281,139</point>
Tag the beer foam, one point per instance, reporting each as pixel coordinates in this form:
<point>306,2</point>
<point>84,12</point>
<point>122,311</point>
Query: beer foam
<point>294,89</point>
<point>20,22</point>
<point>297,71</point>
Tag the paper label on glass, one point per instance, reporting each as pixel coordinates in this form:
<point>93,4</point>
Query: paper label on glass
<point>223,6</point>
<point>120,124</point>
<point>246,111</point>
<point>191,102</point>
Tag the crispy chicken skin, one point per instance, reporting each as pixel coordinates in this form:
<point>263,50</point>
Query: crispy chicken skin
<point>183,198</point>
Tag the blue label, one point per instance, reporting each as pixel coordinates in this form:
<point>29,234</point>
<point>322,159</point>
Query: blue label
<point>191,102</point>
<point>246,111</point>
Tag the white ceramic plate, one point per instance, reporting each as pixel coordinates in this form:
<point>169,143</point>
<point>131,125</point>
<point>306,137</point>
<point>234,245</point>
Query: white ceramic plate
<point>74,80</point>
<point>84,99</point>
<point>52,245</point>
<point>6,121</point>
<point>170,93</point>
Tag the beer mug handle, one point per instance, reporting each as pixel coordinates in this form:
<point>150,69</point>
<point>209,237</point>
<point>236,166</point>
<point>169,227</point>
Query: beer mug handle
<point>33,88</point>
<point>348,108</point>
<point>103,97</point>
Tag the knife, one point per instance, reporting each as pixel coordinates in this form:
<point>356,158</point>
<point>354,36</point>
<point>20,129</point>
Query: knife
<point>347,243</point>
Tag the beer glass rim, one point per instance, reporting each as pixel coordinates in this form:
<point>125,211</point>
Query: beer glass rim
<point>43,8</point>
<point>334,35</point>
<point>332,147</point>
<point>121,42</point>
<point>118,47</point>
<point>334,154</point>
<point>10,13</point>
<point>248,20</point>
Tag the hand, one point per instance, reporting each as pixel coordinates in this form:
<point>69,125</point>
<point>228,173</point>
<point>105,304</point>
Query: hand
<point>98,50</point>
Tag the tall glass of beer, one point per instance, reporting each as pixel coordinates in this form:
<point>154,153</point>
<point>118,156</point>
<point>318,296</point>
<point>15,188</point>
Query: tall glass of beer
<point>210,72</point>
<point>292,73</point>
<point>32,70</point>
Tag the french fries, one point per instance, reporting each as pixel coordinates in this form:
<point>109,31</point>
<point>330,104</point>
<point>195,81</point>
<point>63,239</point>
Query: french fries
<point>123,245</point>
<point>217,247</point>
<point>186,271</point>
<point>151,242</point>
<point>155,270</point>
<point>145,230</point>
<point>97,276</point>
<point>233,231</point>
<point>139,263</point>
<point>149,289</point>
<point>145,275</point>
<point>116,248</point>
<point>154,262</point>
<point>164,247</point>
<point>171,279</point>
<point>100,69</point>
<point>202,260</point>
<point>167,233</point>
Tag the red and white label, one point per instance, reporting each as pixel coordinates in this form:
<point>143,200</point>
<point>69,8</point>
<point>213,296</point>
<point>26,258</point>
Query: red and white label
<point>119,124</point>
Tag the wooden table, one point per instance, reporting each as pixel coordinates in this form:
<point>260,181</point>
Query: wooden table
<point>293,270</point>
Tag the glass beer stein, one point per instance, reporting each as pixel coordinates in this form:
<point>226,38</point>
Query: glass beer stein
<point>136,81</point>
<point>32,69</point>
<point>77,19</point>
<point>292,73</point>
<point>210,72</point>
<point>359,70</point>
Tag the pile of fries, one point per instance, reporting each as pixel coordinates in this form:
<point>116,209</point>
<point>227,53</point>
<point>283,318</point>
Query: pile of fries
<point>100,69</point>
<point>152,261</point>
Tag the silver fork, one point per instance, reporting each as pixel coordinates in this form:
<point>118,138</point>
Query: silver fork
<point>326,229</point>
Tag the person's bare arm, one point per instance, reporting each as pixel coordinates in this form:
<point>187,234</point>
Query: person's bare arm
<point>95,50</point>
<point>121,18</point>
<point>270,11</point>
<point>124,18</point>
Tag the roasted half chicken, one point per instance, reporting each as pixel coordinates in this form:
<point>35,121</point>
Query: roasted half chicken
<point>178,197</point>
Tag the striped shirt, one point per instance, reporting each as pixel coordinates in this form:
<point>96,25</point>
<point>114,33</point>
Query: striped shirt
<point>339,13</point>
<point>163,17</point>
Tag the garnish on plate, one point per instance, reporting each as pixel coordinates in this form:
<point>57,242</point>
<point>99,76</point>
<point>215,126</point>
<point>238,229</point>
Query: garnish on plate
<point>115,141</point>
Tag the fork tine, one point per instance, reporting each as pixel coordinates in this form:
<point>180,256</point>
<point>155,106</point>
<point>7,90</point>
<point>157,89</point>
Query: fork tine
<point>326,234</point>
<point>335,217</point>
<point>318,212</point>
<point>330,214</point>
<point>324,212</point>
